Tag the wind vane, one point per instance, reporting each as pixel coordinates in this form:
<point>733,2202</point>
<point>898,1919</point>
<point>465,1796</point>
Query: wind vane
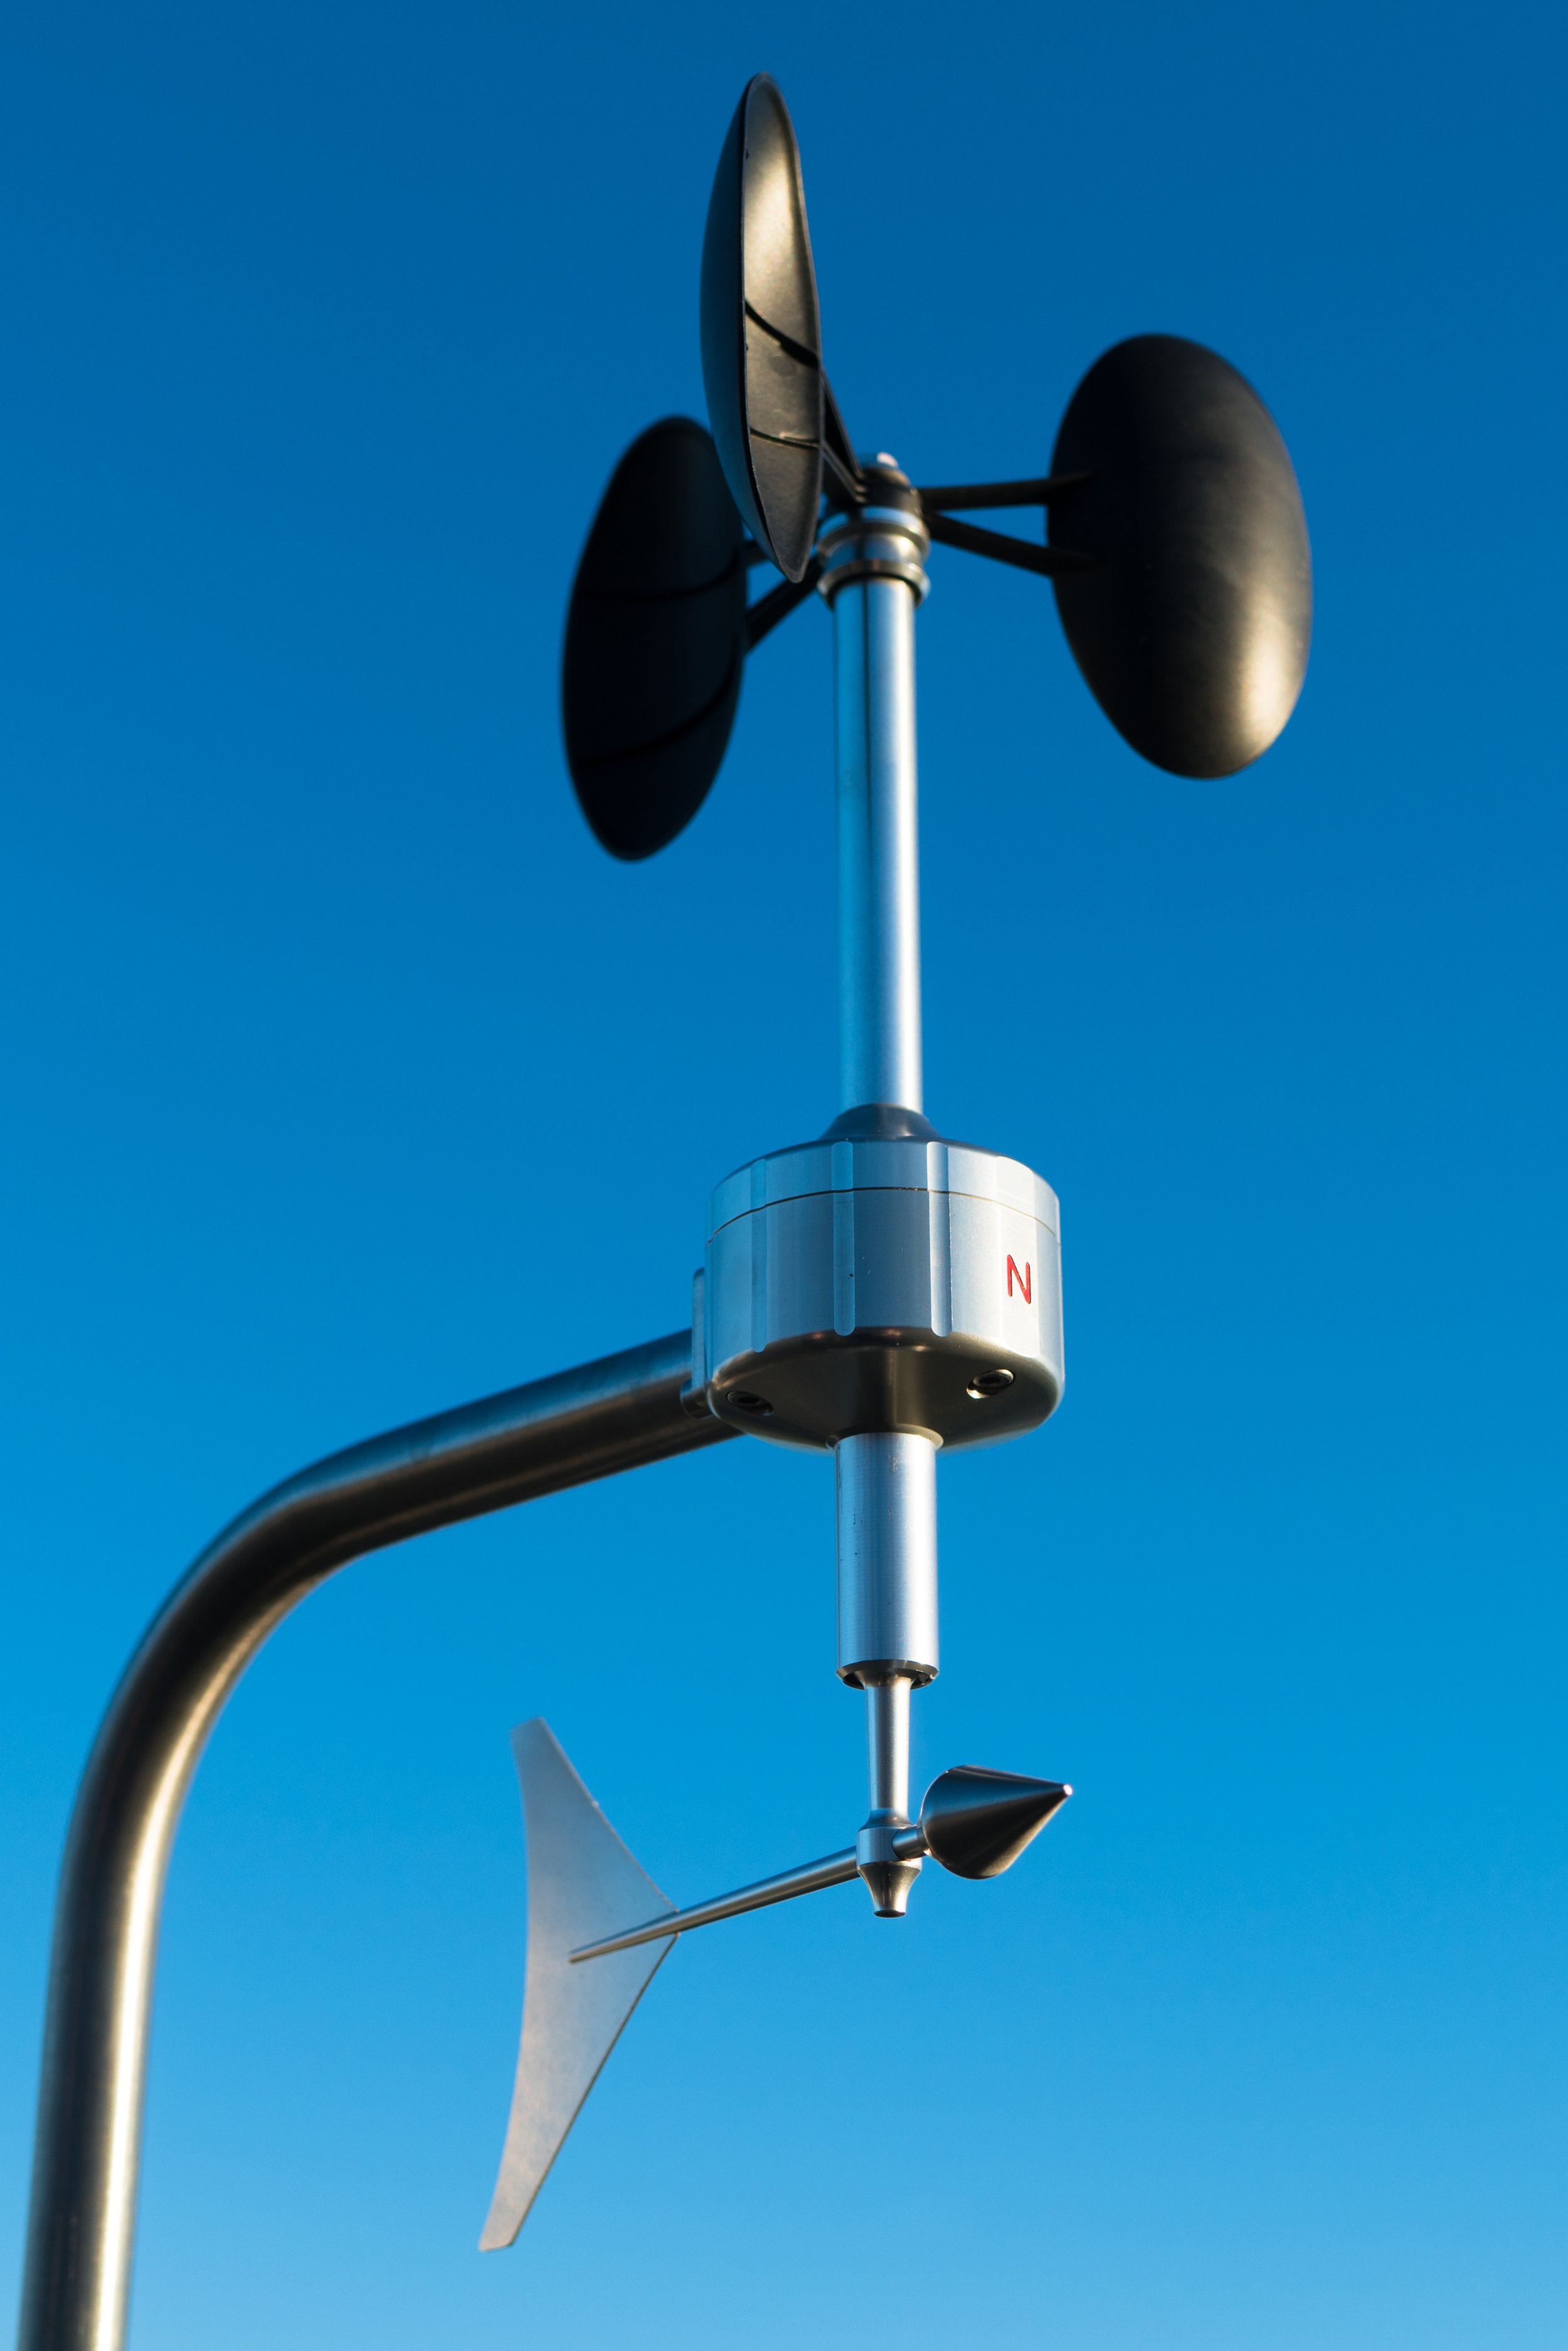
<point>881,1293</point>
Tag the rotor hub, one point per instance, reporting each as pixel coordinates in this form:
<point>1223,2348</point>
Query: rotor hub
<point>885,538</point>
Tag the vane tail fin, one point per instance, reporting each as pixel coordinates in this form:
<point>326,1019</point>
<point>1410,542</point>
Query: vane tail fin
<point>584,1884</point>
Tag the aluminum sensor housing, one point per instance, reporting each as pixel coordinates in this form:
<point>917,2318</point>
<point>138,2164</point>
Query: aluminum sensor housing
<point>883,1281</point>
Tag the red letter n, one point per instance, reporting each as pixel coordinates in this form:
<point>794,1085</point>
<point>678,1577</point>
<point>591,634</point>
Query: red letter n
<point>1022,1280</point>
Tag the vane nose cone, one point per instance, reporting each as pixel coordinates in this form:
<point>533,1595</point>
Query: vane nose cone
<point>976,1823</point>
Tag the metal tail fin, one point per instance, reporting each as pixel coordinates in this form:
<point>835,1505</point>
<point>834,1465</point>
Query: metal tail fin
<point>582,1885</point>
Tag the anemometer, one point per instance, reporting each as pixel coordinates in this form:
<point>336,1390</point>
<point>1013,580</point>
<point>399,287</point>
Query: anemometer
<point>880,1293</point>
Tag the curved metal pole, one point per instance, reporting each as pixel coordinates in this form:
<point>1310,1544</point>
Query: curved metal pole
<point>613,1415</point>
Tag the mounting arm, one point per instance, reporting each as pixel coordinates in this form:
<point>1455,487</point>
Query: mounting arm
<point>581,1425</point>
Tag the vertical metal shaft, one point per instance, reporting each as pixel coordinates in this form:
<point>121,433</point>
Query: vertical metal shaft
<point>887,1740</point>
<point>879,846</point>
<point>887,1556</point>
<point>875,580</point>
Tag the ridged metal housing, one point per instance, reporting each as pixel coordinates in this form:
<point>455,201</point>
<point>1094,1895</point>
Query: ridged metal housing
<point>883,1283</point>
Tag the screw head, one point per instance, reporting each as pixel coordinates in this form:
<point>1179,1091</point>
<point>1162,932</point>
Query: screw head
<point>989,1383</point>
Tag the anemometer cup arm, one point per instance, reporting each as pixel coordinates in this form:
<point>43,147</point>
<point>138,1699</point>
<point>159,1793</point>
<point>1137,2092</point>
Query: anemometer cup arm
<point>974,497</point>
<point>581,1425</point>
<point>764,616</point>
<point>1023,554</point>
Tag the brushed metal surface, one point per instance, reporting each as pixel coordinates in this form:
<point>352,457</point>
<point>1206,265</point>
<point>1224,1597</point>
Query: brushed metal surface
<point>589,1423</point>
<point>886,1495</point>
<point>887,1868</point>
<point>811,1877</point>
<point>872,1163</point>
<point>879,843</point>
<point>582,1882</point>
<point>876,541</point>
<point>899,1284</point>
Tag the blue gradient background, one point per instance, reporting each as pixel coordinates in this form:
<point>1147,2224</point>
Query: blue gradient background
<point>346,1079</point>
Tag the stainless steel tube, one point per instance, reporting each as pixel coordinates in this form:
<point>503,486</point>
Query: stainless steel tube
<point>835,1869</point>
<point>886,1485</point>
<point>590,1423</point>
<point>887,1628</point>
<point>887,1742</point>
<point>879,843</point>
<point>887,1863</point>
<point>873,577</point>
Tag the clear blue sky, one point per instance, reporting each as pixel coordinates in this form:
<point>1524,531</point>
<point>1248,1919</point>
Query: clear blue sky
<point>346,1079</point>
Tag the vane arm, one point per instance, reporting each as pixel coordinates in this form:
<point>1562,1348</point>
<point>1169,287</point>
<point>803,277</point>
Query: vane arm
<point>971,496</point>
<point>975,1822</point>
<point>1023,553</point>
<point>811,1877</point>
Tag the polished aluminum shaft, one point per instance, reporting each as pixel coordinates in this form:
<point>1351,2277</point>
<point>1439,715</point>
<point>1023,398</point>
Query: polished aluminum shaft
<point>886,1494</point>
<point>605,1416</point>
<point>811,1877</point>
<point>875,580</point>
<point>879,843</point>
